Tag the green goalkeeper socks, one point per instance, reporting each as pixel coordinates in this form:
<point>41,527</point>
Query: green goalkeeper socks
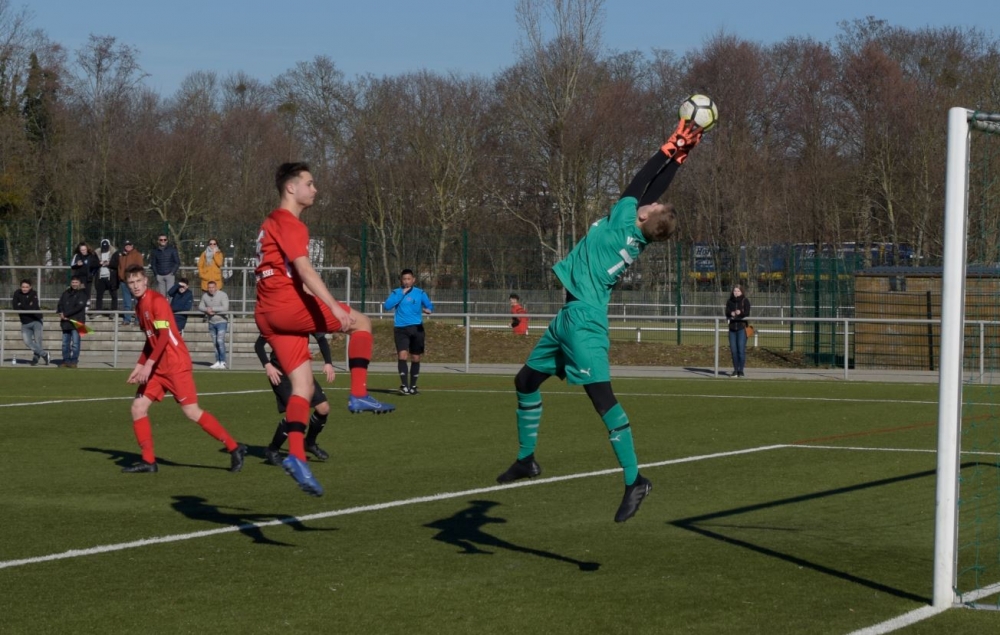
<point>529,415</point>
<point>620,435</point>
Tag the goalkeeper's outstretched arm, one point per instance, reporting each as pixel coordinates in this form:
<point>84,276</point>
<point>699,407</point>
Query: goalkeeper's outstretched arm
<point>654,178</point>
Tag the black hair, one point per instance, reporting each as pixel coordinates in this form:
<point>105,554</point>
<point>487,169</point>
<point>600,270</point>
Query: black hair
<point>182,280</point>
<point>286,172</point>
<point>514,296</point>
<point>25,281</point>
<point>406,271</point>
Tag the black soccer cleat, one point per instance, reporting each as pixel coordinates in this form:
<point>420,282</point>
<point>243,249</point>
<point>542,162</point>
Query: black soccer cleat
<point>236,458</point>
<point>272,456</point>
<point>634,495</point>
<point>413,390</point>
<point>317,452</point>
<point>141,466</point>
<point>521,468</point>
<point>404,389</point>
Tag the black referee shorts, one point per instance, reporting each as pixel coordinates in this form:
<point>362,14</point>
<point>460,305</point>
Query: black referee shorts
<point>410,338</point>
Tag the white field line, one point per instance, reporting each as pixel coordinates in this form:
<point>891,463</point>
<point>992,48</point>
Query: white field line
<point>77,553</point>
<point>129,398</point>
<point>925,612</point>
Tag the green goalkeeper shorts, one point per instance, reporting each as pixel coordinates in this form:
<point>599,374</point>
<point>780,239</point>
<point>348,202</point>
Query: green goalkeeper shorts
<point>575,346</point>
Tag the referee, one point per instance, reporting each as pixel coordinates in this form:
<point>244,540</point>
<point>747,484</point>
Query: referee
<point>410,304</point>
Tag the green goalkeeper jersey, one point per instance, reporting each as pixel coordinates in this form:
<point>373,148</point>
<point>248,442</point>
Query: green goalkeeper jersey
<point>593,267</point>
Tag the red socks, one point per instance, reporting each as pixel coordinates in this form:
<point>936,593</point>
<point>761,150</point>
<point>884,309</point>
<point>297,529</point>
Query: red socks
<point>359,355</point>
<point>296,414</point>
<point>144,435</point>
<point>212,426</point>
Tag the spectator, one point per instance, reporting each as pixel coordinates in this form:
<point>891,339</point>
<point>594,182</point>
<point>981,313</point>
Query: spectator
<point>165,263</point>
<point>181,299</point>
<point>128,257</point>
<point>107,275</point>
<point>215,305</point>
<point>410,304</point>
<point>210,265</point>
<point>85,266</point>
<point>72,306</point>
<point>737,311</point>
<point>518,323</point>
<point>26,299</point>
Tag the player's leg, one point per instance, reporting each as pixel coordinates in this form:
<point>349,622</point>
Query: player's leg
<point>207,421</point>
<point>143,435</point>
<point>317,421</point>
<point>416,344</point>
<point>186,395</point>
<point>359,356</point>
<point>282,393</point>
<point>298,412</point>
<point>543,363</point>
<point>620,436</point>
<point>402,358</point>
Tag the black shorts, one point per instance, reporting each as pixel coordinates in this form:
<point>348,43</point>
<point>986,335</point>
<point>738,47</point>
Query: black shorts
<point>410,338</point>
<point>283,392</point>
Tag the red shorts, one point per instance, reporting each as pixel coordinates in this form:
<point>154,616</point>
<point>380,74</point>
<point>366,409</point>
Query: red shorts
<point>180,385</point>
<point>288,331</point>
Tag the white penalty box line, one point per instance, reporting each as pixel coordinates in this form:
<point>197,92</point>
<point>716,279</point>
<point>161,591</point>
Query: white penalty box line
<point>146,542</point>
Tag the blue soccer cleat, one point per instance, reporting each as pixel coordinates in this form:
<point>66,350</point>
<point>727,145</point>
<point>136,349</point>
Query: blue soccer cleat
<point>368,404</point>
<point>299,470</point>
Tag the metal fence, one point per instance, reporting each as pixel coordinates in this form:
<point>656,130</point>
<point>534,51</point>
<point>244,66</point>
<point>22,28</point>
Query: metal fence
<point>803,342</point>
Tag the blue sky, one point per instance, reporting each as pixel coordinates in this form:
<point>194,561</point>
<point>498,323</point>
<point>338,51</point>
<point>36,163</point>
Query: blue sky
<point>389,37</point>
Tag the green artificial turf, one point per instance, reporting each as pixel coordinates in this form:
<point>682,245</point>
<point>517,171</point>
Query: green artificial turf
<point>824,534</point>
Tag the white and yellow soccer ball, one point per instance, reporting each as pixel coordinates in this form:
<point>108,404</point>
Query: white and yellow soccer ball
<point>701,110</point>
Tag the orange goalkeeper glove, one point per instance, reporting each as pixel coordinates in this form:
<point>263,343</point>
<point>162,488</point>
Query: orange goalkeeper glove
<point>686,136</point>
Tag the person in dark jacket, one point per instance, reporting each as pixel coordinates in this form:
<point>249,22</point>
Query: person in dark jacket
<point>72,306</point>
<point>165,262</point>
<point>84,265</point>
<point>26,299</point>
<point>181,299</point>
<point>737,312</point>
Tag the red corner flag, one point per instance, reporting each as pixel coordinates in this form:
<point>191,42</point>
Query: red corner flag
<point>81,328</point>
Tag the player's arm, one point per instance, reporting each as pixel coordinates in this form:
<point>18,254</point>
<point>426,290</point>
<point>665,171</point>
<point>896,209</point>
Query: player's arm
<point>312,282</point>
<point>144,368</point>
<point>324,350</point>
<point>428,305</point>
<point>654,178</point>
<point>393,300</point>
<point>273,374</point>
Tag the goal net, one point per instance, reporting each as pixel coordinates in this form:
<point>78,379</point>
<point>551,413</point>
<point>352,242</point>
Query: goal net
<point>967,524</point>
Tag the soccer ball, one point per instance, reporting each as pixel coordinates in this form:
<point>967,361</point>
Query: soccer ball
<point>701,110</point>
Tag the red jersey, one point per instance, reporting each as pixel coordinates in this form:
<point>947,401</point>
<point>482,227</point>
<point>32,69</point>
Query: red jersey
<point>282,239</point>
<point>518,323</point>
<point>156,319</point>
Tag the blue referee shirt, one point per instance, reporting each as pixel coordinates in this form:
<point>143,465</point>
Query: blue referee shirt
<point>408,306</point>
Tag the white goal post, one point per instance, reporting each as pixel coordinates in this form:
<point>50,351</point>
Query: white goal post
<point>960,123</point>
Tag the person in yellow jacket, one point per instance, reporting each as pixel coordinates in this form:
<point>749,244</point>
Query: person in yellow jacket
<point>210,265</point>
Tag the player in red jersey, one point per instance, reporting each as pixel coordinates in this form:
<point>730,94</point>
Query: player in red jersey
<point>292,303</point>
<point>165,366</point>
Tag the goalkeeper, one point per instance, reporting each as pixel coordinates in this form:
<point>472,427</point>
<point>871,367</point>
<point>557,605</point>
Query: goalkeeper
<point>575,346</point>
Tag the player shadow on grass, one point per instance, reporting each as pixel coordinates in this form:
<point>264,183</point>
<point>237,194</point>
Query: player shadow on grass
<point>465,530</point>
<point>248,524</point>
<point>708,525</point>
<point>124,458</point>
